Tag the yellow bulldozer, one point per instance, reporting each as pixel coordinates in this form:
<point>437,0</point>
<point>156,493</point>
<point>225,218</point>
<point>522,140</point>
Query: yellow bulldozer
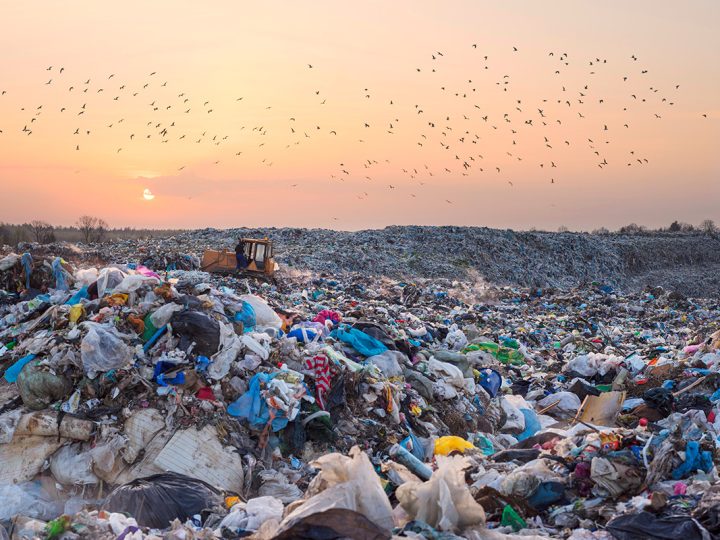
<point>258,252</point>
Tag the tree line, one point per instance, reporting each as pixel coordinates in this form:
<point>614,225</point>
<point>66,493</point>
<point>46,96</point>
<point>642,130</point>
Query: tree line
<point>87,229</point>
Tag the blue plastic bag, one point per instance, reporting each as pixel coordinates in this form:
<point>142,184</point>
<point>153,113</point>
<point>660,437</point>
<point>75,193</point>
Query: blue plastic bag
<point>80,295</point>
<point>27,261</point>
<point>532,424</point>
<point>253,407</point>
<point>358,340</point>
<point>59,273</point>
<point>246,316</point>
<point>694,460</point>
<point>303,335</point>
<point>491,381</point>
<point>546,494</point>
<point>11,374</point>
<point>412,444</point>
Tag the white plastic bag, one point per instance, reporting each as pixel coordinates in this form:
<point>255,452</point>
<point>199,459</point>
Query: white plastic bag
<point>102,349</point>
<point>389,362</point>
<point>108,279</point>
<point>162,315</point>
<point>264,314</point>
<point>249,516</point>
<point>86,276</point>
<point>72,465</point>
<point>27,499</point>
<point>443,502</point>
<point>254,345</point>
<point>345,482</point>
<point>515,422</point>
<point>567,403</point>
<point>455,339</point>
<point>223,359</point>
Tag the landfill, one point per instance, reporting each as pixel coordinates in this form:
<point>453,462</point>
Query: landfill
<point>143,398</point>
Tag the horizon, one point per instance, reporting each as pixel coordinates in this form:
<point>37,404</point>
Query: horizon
<point>245,73</point>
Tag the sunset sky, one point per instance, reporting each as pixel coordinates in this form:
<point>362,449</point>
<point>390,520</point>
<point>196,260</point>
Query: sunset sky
<point>296,151</point>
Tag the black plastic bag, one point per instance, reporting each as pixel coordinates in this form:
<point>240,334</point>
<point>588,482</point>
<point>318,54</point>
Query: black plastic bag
<point>660,399</point>
<point>157,500</point>
<point>647,526</point>
<point>198,327</point>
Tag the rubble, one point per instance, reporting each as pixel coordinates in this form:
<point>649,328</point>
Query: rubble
<point>143,401</point>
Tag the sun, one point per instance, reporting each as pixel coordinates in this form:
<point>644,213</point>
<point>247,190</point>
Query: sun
<point>147,195</point>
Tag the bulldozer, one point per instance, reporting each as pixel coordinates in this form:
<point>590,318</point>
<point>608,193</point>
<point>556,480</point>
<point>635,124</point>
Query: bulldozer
<point>259,253</point>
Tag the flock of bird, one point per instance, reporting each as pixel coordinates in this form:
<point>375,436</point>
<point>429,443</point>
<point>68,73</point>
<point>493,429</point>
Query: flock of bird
<point>454,143</point>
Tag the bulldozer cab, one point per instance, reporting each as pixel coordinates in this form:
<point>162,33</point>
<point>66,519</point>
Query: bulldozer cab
<point>258,252</point>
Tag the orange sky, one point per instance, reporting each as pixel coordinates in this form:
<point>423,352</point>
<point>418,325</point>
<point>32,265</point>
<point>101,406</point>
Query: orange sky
<point>261,52</point>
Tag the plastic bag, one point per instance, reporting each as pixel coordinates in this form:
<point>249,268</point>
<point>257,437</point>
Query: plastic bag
<point>451,443</point>
<point>59,273</point>
<point>567,402</point>
<point>532,424</point>
<point>27,499</point>
<point>364,344</point>
<point>333,523</point>
<point>86,276</point>
<point>8,422</point>
<point>222,361</point>
<point>134,282</point>
<point>157,500</point>
<point>193,326</point>
<point>491,381</point>
<point>443,502</point>
<point>27,262</point>
<point>255,346</point>
<point>389,362</point>
<point>162,315</point>
<point>11,374</point>
<point>72,465</point>
<point>647,525</point>
<point>276,485</point>
<point>249,516</point>
<point>102,349</point>
<point>515,422</point>
<point>264,314</point>
<point>253,407</point>
<point>348,482</point>
<point>108,279</point>
<point>694,460</point>
<point>455,339</point>
<point>246,316</point>
<point>40,386</point>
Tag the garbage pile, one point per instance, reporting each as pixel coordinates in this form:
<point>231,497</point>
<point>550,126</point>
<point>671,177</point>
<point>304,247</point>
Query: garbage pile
<point>686,263</point>
<point>136,404</point>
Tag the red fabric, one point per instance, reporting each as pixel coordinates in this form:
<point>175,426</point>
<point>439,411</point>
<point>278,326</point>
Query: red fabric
<point>320,366</point>
<point>327,315</point>
<point>205,393</point>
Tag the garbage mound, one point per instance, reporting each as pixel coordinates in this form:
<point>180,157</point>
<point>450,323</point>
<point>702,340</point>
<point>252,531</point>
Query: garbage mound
<point>140,402</point>
<point>687,263</point>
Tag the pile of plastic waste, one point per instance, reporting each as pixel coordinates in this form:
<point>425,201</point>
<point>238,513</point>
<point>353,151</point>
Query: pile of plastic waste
<point>174,403</point>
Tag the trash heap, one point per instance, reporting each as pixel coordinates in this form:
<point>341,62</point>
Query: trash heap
<point>136,404</point>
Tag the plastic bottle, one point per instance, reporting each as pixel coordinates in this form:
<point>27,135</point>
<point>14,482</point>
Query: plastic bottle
<point>416,466</point>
